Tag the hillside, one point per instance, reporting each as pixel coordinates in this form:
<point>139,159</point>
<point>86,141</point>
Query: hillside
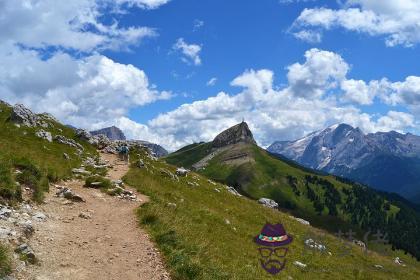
<point>326,201</point>
<point>388,161</point>
<point>205,231</point>
<point>39,147</point>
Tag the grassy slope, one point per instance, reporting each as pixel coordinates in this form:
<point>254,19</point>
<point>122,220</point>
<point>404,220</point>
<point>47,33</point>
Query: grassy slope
<point>198,243</point>
<point>267,177</point>
<point>19,144</point>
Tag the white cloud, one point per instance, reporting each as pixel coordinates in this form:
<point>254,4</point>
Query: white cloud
<point>144,4</point>
<point>279,114</point>
<point>191,52</point>
<point>321,71</point>
<point>357,91</point>
<point>309,36</point>
<point>72,24</point>
<point>198,24</point>
<point>83,92</point>
<point>211,82</point>
<point>397,21</point>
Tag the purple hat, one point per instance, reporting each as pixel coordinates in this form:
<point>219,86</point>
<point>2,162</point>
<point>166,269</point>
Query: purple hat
<point>273,235</point>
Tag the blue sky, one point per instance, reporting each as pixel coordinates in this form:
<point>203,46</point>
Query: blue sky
<point>253,35</point>
<point>298,65</point>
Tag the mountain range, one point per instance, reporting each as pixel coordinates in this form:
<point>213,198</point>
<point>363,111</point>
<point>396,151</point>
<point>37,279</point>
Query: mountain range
<point>387,161</point>
<point>330,202</point>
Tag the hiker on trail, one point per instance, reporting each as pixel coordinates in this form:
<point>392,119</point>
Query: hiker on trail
<point>123,152</point>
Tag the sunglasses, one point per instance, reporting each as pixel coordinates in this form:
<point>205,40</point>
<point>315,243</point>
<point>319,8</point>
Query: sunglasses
<point>268,252</point>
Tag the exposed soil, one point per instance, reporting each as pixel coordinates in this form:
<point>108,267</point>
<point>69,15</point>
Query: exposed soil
<point>109,245</point>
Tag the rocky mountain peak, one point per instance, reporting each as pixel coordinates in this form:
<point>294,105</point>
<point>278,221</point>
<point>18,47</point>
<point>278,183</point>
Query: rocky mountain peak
<point>239,133</point>
<point>113,133</point>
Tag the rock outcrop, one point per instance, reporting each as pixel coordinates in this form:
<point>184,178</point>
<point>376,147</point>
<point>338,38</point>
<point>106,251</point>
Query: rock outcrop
<point>24,116</point>
<point>239,133</point>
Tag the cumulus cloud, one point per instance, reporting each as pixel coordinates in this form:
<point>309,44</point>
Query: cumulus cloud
<point>397,21</point>
<point>309,36</point>
<point>279,114</point>
<point>83,92</point>
<point>320,72</point>
<point>72,24</point>
<point>190,52</point>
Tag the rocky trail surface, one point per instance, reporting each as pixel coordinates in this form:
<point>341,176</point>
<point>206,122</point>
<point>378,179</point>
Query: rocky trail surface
<point>95,239</point>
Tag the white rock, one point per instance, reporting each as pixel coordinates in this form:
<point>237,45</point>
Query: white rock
<point>299,264</point>
<point>39,217</point>
<point>268,202</point>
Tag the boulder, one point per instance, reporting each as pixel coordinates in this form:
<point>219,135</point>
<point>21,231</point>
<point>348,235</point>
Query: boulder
<point>268,202</point>
<point>26,251</point>
<point>182,172</point>
<point>80,171</point>
<point>39,217</point>
<point>314,245</point>
<point>22,115</point>
<point>5,212</point>
<point>233,191</point>
<point>300,220</point>
<point>46,135</point>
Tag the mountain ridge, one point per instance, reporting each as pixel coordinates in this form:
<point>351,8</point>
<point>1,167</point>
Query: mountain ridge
<point>370,158</point>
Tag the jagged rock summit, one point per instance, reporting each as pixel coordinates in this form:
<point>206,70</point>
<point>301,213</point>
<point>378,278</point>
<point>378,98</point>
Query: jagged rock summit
<point>113,133</point>
<point>239,133</point>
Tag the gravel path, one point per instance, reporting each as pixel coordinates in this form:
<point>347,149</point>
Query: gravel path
<point>107,245</point>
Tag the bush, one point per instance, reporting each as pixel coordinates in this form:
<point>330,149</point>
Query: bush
<point>5,266</point>
<point>8,188</point>
<point>31,176</point>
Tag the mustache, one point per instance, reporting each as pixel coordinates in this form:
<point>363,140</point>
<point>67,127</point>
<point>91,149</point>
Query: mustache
<point>273,266</point>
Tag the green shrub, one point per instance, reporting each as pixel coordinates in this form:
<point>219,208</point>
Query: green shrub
<point>8,188</point>
<point>98,182</point>
<point>5,266</point>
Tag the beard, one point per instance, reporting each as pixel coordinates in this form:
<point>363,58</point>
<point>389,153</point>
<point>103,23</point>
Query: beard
<point>272,266</point>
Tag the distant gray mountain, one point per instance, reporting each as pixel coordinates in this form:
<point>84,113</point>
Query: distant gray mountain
<point>113,133</point>
<point>158,150</point>
<point>387,161</point>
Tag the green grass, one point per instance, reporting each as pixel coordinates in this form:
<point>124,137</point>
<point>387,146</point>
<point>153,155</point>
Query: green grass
<point>198,243</point>
<point>5,264</point>
<point>40,161</point>
<point>104,182</point>
<point>190,154</point>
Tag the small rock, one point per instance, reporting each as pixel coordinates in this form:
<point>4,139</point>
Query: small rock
<point>170,204</point>
<point>182,172</point>
<point>268,202</point>
<point>85,215</point>
<point>39,217</point>
<point>299,264</point>
<point>378,266</point>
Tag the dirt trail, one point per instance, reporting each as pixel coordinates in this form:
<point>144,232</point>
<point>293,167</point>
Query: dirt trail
<point>109,245</point>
